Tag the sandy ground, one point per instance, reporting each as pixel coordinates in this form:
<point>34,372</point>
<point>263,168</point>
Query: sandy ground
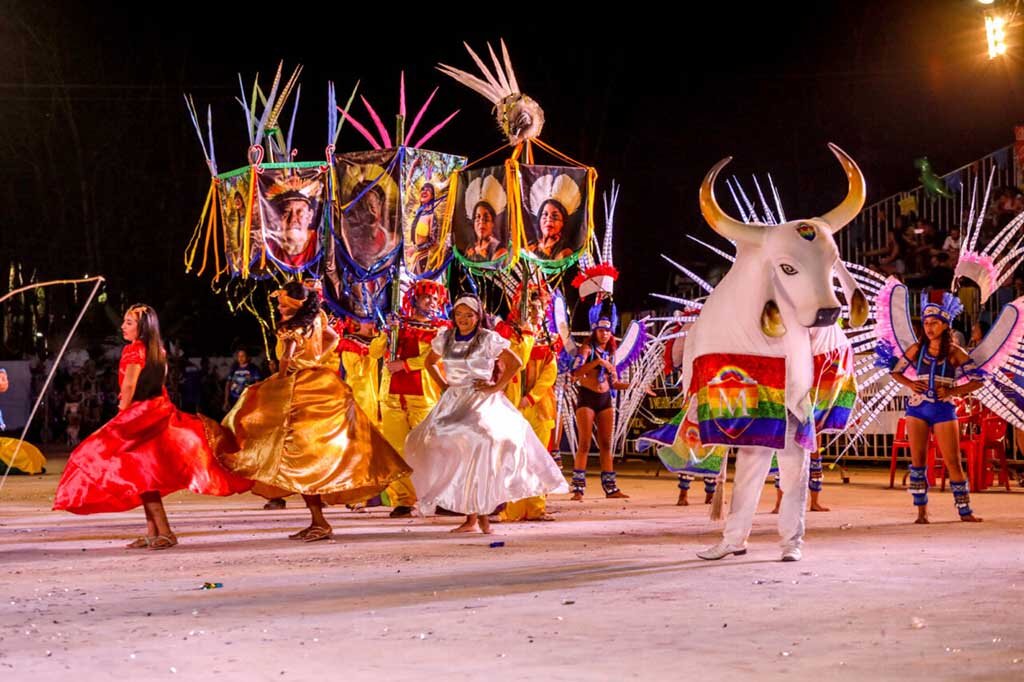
<point>609,591</point>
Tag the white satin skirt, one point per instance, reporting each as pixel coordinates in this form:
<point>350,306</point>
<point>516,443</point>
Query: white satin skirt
<point>474,452</point>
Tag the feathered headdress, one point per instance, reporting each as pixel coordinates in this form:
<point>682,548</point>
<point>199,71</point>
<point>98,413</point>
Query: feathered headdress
<point>425,286</point>
<point>946,308</point>
<point>600,277</point>
<point>992,265</point>
<point>604,315</point>
<point>292,186</point>
<point>519,117</point>
<point>560,188</point>
<point>487,190</point>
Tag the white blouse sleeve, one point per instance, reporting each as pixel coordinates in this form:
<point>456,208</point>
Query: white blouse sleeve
<point>495,343</point>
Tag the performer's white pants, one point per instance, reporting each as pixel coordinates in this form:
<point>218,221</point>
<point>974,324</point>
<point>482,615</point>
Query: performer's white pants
<point>752,466</point>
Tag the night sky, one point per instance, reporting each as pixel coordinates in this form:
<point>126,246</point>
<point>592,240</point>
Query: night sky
<point>101,171</point>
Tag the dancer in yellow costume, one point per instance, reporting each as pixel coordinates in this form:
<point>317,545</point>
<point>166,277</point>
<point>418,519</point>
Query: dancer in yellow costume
<point>532,390</point>
<point>407,393</point>
<point>301,430</point>
<point>15,456</point>
<point>361,347</point>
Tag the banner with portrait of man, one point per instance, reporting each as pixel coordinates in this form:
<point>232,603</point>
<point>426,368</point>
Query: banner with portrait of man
<point>292,202</point>
<point>367,213</point>
<point>425,178</point>
<point>480,224</point>
<point>557,208</point>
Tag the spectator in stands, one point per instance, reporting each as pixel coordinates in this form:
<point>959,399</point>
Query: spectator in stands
<point>243,373</point>
<point>927,244</point>
<point>978,331</point>
<point>940,275</point>
<point>191,387</point>
<point>891,258</point>
<point>952,245</point>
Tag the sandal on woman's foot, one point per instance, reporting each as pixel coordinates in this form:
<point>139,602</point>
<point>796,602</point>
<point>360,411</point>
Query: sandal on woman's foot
<point>318,533</point>
<point>301,535</point>
<point>163,542</point>
<point>140,543</point>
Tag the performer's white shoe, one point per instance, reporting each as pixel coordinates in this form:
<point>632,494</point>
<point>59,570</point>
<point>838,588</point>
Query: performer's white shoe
<point>792,554</point>
<point>722,550</point>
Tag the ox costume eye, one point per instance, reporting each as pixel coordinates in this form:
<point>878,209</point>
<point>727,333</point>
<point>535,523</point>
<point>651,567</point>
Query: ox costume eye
<point>788,269</point>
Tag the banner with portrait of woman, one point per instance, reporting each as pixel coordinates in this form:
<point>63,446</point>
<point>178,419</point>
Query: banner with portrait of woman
<point>367,213</point>
<point>556,214</point>
<point>292,202</point>
<point>425,179</point>
<point>480,226</point>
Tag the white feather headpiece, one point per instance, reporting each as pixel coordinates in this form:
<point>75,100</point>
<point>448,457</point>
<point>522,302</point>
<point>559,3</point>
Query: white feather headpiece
<point>561,188</point>
<point>487,190</point>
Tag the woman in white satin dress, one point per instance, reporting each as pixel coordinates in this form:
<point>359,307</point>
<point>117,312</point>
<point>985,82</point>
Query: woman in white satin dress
<point>474,451</point>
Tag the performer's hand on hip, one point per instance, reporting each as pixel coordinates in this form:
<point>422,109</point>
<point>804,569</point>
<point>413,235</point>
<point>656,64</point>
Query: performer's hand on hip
<point>485,386</point>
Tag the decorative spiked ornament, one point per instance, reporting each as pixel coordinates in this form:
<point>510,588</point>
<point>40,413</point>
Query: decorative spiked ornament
<point>519,117</point>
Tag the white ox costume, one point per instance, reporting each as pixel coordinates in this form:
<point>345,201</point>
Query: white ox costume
<point>749,361</point>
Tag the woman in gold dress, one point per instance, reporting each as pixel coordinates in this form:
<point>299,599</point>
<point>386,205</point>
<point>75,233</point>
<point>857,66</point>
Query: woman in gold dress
<point>301,430</point>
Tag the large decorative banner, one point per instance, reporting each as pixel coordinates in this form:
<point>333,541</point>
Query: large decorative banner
<point>292,202</point>
<point>367,213</point>
<point>234,193</point>
<point>741,399</point>
<point>556,211</point>
<point>425,179</point>
<point>481,228</point>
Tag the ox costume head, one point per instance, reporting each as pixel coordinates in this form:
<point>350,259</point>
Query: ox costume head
<point>801,254</point>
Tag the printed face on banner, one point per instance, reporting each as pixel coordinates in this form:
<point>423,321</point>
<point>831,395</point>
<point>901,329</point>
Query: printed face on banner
<point>367,216</point>
<point>480,220</point>
<point>233,195</point>
<point>292,203</point>
<point>425,178</point>
<point>555,206</point>
<point>364,299</point>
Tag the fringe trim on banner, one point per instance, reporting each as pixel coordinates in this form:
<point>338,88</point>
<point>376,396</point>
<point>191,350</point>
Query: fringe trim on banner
<point>193,244</point>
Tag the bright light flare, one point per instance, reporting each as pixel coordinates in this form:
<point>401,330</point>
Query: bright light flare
<point>995,29</point>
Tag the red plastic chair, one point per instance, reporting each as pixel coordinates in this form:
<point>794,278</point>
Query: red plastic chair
<point>993,440</point>
<point>981,448</point>
<point>902,442</point>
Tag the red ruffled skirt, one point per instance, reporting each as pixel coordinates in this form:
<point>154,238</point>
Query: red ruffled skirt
<point>149,447</point>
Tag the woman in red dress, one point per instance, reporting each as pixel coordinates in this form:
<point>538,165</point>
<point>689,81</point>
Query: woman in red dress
<point>148,450</point>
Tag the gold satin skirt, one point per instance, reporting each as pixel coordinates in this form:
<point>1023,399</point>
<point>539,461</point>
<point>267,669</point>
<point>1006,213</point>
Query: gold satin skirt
<point>305,434</point>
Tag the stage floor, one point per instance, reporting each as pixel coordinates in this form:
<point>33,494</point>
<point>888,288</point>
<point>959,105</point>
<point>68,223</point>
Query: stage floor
<point>611,590</point>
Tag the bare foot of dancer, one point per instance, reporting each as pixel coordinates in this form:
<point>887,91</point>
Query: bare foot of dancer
<point>485,524</point>
<point>971,518</point>
<point>682,501</point>
<point>922,515</point>
<point>708,497</point>
<point>467,526</point>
